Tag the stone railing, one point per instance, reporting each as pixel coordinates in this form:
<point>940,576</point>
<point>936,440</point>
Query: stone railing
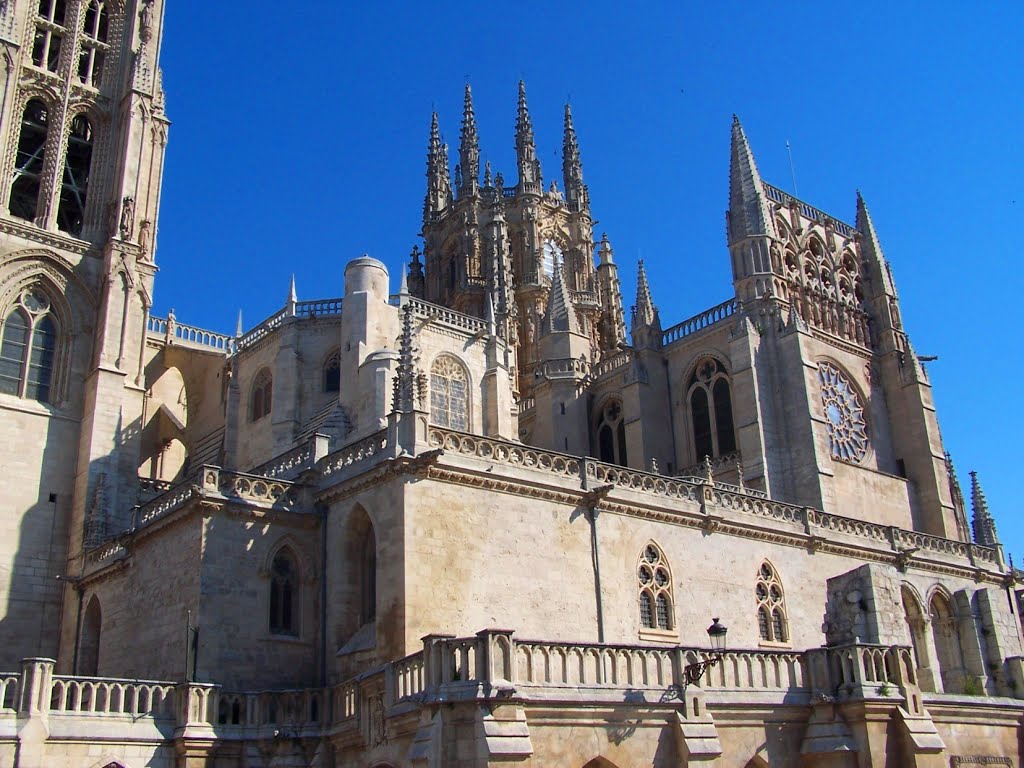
<point>807,211</point>
<point>588,298</point>
<point>174,332</point>
<point>298,708</point>
<point>318,308</point>
<point>526,405</point>
<point>149,486</point>
<point>290,463</point>
<point>699,322</point>
<point>515,454</point>
<point>599,473</point>
<point>741,500</point>
<point>105,696</point>
<point>861,670</point>
<point>357,452</point>
<point>449,317</point>
<point>165,503</point>
<point>727,462</point>
<point>254,488</point>
<point>262,330</point>
<point>860,528</point>
<point>611,365</point>
<point>408,677</point>
<point>8,691</point>
<point>562,368</point>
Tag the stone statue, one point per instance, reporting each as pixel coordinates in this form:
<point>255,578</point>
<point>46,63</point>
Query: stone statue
<point>127,225</point>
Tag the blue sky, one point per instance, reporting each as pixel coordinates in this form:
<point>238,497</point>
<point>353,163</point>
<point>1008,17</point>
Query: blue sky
<point>299,143</point>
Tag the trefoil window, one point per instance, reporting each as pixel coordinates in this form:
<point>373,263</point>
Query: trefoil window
<point>771,606</point>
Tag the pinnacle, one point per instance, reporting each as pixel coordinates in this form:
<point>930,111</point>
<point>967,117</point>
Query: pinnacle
<point>748,208</point>
<point>983,524</point>
<point>645,310</point>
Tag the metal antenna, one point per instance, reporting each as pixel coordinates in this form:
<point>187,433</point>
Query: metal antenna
<point>792,169</point>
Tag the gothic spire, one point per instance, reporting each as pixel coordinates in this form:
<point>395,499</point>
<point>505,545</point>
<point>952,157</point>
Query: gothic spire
<point>983,524</point>
<point>561,316</point>
<point>572,168</point>
<point>871,249</point>
<point>748,207</point>
<point>644,313</point>
<point>469,148</point>
<point>526,150</point>
<point>439,185</point>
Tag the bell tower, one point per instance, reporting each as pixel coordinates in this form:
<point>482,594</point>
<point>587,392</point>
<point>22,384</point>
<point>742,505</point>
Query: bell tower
<point>82,135</point>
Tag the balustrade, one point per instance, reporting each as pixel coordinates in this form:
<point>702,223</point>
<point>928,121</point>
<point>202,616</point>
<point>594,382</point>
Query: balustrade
<point>437,313</point>
<point>515,454</point>
<point>8,692</point>
<point>104,696</point>
<point>173,331</point>
<point>599,473</point>
<point>318,308</point>
<point>807,211</point>
<point>355,453</point>
<point>699,322</point>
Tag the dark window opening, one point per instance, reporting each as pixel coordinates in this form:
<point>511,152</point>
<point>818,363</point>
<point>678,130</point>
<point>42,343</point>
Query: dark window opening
<point>701,424</point>
<point>71,213</point>
<point>723,417</point>
<point>369,580</point>
<point>332,373</point>
<point>29,162</point>
<point>262,395</point>
<point>283,583</point>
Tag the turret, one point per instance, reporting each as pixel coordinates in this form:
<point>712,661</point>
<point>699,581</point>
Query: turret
<point>749,222</point>
<point>526,151</point>
<point>469,149</point>
<point>576,193</point>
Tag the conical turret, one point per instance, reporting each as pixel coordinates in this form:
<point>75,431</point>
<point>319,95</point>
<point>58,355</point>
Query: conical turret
<point>469,148</point>
<point>526,150</point>
<point>749,215</point>
<point>983,524</point>
<point>561,316</point>
<point>439,185</point>
<point>576,193</point>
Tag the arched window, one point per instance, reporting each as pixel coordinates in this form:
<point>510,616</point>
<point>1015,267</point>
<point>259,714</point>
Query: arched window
<point>710,399</point>
<point>49,34</point>
<point>332,372</point>
<point>28,351</point>
<point>71,212</point>
<point>284,588</point>
<point>29,162</point>
<point>771,606</point>
<point>611,433</point>
<point>368,580</point>
<point>654,580</point>
<point>262,395</point>
<point>917,625</point>
<point>449,394</point>
<point>94,44</point>
<point>89,639</point>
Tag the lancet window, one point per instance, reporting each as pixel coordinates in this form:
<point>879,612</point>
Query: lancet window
<point>368,578</point>
<point>654,583</point>
<point>49,34</point>
<point>332,372</point>
<point>28,351</point>
<point>449,394</point>
<point>611,433</point>
<point>94,44</point>
<point>710,397</point>
<point>284,586</point>
<point>262,395</point>
<point>29,161</point>
<point>71,212</point>
<point>771,605</point>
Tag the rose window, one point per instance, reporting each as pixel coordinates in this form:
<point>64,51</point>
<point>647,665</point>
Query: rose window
<point>844,415</point>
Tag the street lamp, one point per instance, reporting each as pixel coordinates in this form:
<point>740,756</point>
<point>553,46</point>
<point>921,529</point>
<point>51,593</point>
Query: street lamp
<point>716,633</point>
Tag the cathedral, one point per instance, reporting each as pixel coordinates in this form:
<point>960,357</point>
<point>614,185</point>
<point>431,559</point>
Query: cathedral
<point>476,513</point>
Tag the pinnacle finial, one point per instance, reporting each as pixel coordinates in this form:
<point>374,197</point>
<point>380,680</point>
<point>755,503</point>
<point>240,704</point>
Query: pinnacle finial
<point>526,150</point>
<point>492,328</point>
<point>871,248</point>
<point>983,524</point>
<point>439,185</point>
<point>645,312</point>
<point>238,327</point>
<point>469,147</point>
<point>293,295</point>
<point>572,167</point>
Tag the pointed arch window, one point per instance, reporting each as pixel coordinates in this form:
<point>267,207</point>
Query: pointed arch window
<point>49,34</point>
<point>368,598</point>
<point>449,394</point>
<point>332,372</point>
<point>94,44</point>
<point>654,583</point>
<point>284,587</point>
<point>262,395</point>
<point>28,350</point>
<point>946,638</point>
<point>29,162</point>
<point>71,213</point>
<point>772,624</point>
<point>611,433</point>
<point>710,397</point>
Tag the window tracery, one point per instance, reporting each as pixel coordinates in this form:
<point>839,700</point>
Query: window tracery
<point>654,580</point>
<point>284,585</point>
<point>28,350</point>
<point>77,162</point>
<point>332,372</point>
<point>449,394</point>
<point>844,415</point>
<point>29,162</point>
<point>262,395</point>
<point>710,397</point>
<point>771,606</point>
<point>611,433</point>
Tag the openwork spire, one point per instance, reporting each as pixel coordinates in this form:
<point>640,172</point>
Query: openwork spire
<point>439,185</point>
<point>576,192</point>
<point>469,148</point>
<point>983,524</point>
<point>526,150</point>
<point>748,207</point>
<point>644,312</point>
<point>561,315</point>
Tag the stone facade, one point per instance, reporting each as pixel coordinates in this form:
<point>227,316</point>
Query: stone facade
<point>466,519</point>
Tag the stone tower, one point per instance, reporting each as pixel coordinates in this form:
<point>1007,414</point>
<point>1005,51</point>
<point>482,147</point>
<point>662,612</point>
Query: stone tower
<point>83,132</point>
<point>508,241</point>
